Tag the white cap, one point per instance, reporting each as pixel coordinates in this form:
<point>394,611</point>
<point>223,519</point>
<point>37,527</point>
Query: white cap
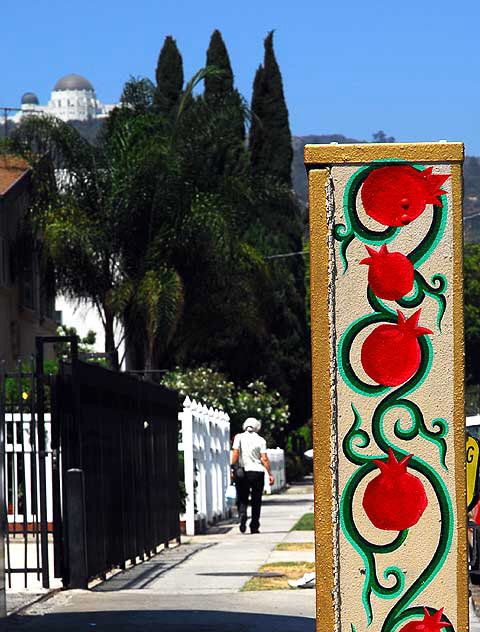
<point>252,424</point>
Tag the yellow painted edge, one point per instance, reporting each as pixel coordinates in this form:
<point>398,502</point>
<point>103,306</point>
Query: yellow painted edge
<point>366,152</point>
<point>458,403</point>
<point>322,412</point>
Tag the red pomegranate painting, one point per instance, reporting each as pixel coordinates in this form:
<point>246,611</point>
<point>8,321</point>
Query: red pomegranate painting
<point>396,195</point>
<point>429,623</point>
<point>395,499</point>
<point>390,274</point>
<point>391,354</point>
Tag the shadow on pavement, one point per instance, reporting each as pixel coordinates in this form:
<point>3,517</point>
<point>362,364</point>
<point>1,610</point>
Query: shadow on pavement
<point>222,529</point>
<point>144,574</point>
<point>161,620</point>
<point>258,574</point>
<point>283,500</point>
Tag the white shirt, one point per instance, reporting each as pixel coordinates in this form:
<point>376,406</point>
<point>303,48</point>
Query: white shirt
<point>250,446</point>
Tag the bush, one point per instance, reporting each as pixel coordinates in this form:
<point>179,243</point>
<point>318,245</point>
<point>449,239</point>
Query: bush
<point>213,388</point>
<point>296,464</point>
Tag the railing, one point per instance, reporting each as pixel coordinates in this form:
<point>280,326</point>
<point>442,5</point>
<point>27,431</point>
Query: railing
<point>118,436</point>
<point>206,448</point>
<point>276,457</point>
<point>20,470</point>
<point>27,471</point>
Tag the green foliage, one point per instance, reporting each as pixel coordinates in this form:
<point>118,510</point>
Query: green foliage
<point>270,137</point>
<point>276,229</point>
<point>160,293</point>
<point>296,464</point>
<point>472,312</point>
<point>5,145</point>
<point>472,399</point>
<point>161,225</point>
<point>18,390</point>
<point>169,76</point>
<point>285,357</point>
<point>255,400</point>
<point>213,388</point>
<point>139,94</point>
<point>220,92</point>
<point>204,384</point>
<point>85,345</point>
<point>217,86</point>
<point>87,220</point>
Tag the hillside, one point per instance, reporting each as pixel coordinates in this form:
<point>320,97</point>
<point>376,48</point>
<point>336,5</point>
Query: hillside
<point>299,175</point>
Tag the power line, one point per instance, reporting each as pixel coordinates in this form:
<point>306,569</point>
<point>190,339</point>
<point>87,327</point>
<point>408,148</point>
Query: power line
<point>287,254</point>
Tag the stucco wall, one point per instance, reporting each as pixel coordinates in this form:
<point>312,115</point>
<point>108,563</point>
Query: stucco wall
<point>18,324</point>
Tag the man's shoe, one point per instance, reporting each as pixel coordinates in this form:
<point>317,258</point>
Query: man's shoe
<point>254,530</point>
<point>243,524</point>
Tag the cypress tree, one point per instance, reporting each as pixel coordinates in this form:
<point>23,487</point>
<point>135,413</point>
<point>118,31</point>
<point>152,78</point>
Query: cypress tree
<point>284,360</point>
<point>169,76</point>
<point>270,137</point>
<point>220,93</point>
<point>222,84</point>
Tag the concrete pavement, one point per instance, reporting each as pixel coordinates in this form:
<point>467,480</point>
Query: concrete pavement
<point>474,621</point>
<point>197,588</point>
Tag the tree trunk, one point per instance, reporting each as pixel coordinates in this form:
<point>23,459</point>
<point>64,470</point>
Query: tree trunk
<point>149,349</point>
<point>110,349</point>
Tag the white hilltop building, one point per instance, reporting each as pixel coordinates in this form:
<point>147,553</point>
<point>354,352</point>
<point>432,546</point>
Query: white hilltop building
<point>72,99</point>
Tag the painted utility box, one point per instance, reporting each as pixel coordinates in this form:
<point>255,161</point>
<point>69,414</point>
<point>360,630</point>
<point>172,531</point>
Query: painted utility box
<point>387,342</point>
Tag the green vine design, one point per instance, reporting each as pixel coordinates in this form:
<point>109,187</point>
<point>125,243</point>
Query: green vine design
<point>354,228</point>
<point>357,440</point>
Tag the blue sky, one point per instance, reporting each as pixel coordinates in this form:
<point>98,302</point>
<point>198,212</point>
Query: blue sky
<point>411,68</point>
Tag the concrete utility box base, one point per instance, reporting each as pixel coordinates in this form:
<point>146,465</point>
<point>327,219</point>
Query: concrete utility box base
<point>387,343</point>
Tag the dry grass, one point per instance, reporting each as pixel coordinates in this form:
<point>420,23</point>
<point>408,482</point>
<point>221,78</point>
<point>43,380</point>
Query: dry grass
<point>294,546</point>
<point>288,570</point>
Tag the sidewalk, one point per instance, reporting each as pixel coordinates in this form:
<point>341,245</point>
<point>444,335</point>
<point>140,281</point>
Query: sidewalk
<point>195,587</point>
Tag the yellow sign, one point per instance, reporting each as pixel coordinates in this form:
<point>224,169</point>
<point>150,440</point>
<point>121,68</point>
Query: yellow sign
<point>473,453</point>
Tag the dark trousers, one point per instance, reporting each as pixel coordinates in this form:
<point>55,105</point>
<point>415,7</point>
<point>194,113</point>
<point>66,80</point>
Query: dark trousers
<point>251,484</point>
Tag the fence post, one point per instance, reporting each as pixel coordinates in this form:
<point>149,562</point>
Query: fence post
<point>187,440</point>
<point>208,464</point>
<point>76,529</point>
<point>219,492</point>
<point>226,471</point>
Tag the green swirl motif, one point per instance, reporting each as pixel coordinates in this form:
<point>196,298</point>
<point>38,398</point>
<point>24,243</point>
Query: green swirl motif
<point>354,228</point>
<point>392,583</point>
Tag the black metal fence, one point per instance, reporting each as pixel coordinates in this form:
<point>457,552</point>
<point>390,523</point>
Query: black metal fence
<point>27,460</point>
<point>122,433</point>
<point>89,469</point>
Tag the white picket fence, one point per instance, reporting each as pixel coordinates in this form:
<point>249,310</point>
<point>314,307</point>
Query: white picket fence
<point>276,456</point>
<point>205,444</point>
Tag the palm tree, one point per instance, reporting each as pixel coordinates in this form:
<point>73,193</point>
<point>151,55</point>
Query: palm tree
<point>131,223</point>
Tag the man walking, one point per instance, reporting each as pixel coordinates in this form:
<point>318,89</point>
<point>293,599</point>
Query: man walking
<point>250,452</point>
